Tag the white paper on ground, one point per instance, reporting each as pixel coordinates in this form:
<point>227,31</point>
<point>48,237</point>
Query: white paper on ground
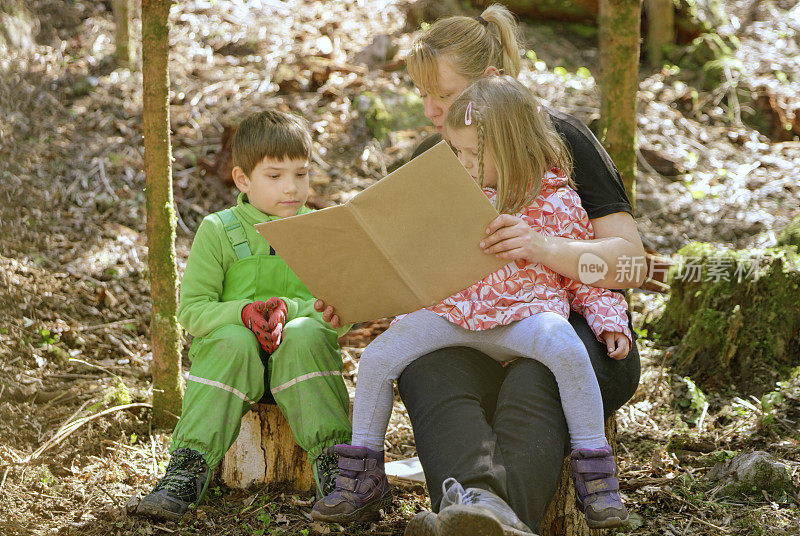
<point>410,469</point>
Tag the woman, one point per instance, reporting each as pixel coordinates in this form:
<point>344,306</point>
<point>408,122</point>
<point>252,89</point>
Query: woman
<point>491,439</point>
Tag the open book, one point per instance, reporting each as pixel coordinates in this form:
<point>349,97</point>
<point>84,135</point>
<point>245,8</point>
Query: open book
<point>407,242</point>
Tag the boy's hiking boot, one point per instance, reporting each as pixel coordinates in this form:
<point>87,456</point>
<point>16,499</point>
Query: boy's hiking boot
<point>361,487</point>
<point>475,512</point>
<point>183,484</point>
<point>596,487</point>
<point>326,469</point>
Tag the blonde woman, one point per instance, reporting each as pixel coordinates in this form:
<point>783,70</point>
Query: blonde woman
<point>521,310</point>
<point>493,428</point>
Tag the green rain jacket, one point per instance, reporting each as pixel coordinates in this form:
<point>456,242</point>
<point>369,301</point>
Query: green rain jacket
<point>209,299</point>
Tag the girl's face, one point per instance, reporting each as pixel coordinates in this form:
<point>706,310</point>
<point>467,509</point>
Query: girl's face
<point>450,84</point>
<point>465,142</point>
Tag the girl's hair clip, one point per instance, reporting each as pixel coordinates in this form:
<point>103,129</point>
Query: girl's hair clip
<point>468,114</point>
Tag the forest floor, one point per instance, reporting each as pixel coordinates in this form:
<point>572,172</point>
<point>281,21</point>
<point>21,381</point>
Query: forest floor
<point>74,337</point>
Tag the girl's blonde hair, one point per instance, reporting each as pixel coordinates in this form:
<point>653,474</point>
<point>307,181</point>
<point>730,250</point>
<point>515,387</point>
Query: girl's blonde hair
<point>510,123</point>
<point>470,44</point>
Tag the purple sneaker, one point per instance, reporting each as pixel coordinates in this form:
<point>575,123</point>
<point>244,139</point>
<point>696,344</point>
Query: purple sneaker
<point>361,488</point>
<point>596,487</point>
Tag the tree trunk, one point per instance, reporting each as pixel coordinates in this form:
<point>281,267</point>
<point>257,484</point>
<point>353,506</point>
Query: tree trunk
<point>619,82</point>
<point>660,29</point>
<point>122,18</point>
<point>732,316</point>
<point>563,516</point>
<point>265,452</point>
<point>165,334</point>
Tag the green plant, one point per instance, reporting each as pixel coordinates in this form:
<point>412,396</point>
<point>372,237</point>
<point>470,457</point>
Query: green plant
<point>695,401</point>
<point>117,395</point>
<point>47,337</point>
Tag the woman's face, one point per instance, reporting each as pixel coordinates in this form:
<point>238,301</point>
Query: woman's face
<point>450,84</point>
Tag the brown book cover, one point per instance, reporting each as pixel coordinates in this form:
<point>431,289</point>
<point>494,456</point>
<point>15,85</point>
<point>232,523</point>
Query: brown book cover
<point>407,242</point>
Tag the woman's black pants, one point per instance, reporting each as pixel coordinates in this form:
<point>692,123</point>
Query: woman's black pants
<point>501,428</point>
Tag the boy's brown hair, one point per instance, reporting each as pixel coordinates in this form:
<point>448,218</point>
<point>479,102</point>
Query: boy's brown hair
<point>270,134</point>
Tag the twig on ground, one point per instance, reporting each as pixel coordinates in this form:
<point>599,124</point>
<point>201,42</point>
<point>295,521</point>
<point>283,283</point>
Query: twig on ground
<point>106,325</point>
<point>717,527</point>
<point>77,412</point>
<point>153,451</point>
<point>103,489</point>
<point>95,366</point>
<point>125,350</point>
<point>66,430</point>
<point>5,474</point>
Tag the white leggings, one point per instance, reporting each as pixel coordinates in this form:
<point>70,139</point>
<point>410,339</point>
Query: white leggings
<point>545,337</point>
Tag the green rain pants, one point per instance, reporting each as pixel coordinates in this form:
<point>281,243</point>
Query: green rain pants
<point>227,377</point>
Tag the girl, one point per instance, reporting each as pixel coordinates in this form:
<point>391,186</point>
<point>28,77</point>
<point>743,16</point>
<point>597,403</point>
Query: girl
<point>511,150</point>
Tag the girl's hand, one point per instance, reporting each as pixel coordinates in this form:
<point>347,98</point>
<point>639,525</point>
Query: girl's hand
<point>510,237</point>
<point>328,314</point>
<point>616,343</point>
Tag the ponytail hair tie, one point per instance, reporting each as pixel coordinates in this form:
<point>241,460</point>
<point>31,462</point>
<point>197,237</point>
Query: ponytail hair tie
<point>468,114</point>
<point>483,21</point>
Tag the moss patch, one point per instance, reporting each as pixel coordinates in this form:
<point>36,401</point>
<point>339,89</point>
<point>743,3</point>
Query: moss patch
<point>733,315</point>
<point>791,235</point>
<point>390,111</point>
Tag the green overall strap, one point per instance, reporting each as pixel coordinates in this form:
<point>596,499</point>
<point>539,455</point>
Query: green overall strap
<point>235,233</point>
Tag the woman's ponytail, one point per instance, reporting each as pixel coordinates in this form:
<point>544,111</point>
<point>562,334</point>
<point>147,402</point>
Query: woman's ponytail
<point>508,32</point>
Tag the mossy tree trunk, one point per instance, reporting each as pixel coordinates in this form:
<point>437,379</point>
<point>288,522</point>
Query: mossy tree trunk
<point>563,516</point>
<point>165,334</point>
<point>660,28</point>
<point>791,235</point>
<point>122,19</point>
<point>619,82</point>
<point>733,316</point>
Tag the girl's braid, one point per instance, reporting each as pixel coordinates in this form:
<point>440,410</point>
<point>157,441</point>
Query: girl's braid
<point>481,143</point>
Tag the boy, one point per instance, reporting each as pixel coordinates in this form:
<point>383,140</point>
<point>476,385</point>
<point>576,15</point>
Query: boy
<point>254,325</point>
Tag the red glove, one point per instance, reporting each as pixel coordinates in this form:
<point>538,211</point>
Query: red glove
<point>266,320</point>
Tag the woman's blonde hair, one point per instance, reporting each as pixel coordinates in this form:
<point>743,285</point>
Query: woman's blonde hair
<point>511,124</point>
<point>470,44</point>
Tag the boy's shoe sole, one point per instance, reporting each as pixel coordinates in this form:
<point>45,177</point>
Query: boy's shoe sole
<point>158,506</point>
<point>368,512</point>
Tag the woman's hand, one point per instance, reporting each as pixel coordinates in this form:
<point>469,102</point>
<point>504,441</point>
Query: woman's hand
<point>328,314</point>
<point>510,237</point>
<point>616,343</point>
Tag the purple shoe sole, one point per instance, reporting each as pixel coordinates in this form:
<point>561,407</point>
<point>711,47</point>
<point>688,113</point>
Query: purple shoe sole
<point>368,512</point>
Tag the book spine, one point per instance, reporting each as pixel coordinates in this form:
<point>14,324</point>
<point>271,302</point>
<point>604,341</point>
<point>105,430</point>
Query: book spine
<point>402,274</point>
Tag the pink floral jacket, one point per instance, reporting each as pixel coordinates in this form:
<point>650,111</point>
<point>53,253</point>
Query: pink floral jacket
<point>521,289</point>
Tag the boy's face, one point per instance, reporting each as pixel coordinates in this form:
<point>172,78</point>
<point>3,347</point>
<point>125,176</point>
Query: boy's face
<point>465,142</point>
<point>276,187</point>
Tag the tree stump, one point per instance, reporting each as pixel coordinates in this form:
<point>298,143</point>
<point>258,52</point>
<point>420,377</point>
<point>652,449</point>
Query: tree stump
<point>732,316</point>
<point>265,453</point>
<point>563,516</point>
